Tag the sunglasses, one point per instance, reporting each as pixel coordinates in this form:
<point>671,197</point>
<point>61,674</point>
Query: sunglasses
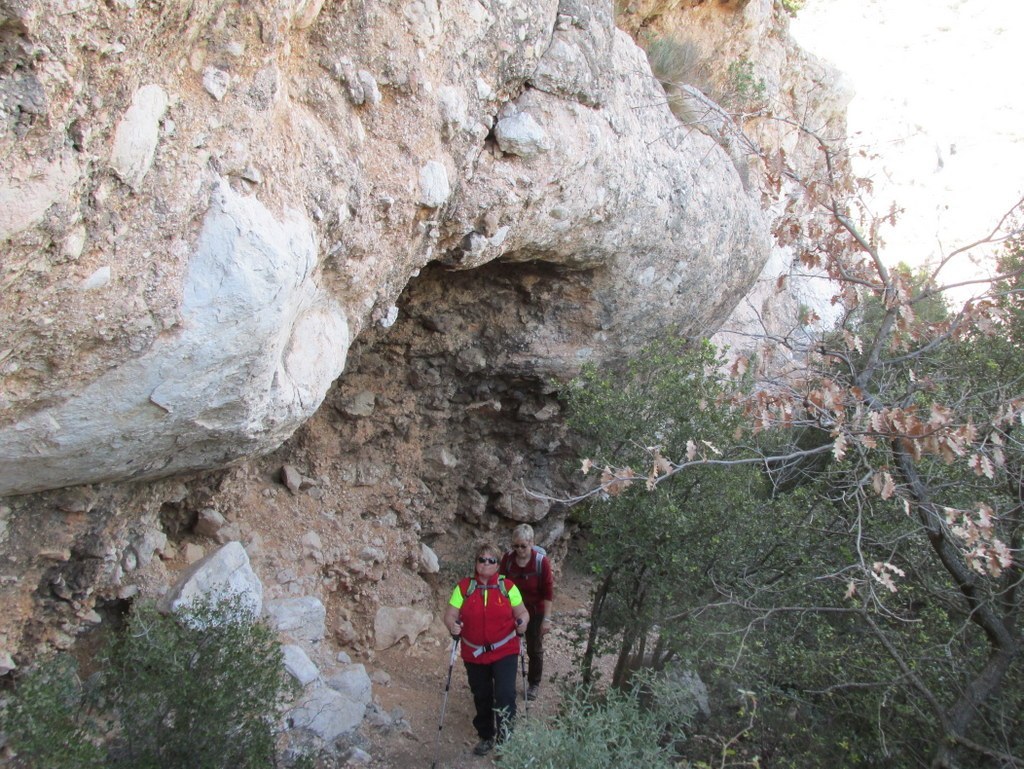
<point>486,560</point>
<point>521,547</point>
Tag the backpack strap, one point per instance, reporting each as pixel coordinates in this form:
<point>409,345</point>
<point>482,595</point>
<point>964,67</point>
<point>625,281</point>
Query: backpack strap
<point>473,586</point>
<point>539,552</point>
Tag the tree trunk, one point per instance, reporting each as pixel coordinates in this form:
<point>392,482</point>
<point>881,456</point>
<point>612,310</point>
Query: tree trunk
<point>596,610</point>
<point>996,621</point>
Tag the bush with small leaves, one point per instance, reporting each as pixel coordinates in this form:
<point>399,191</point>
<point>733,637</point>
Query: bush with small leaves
<point>592,732</point>
<point>45,719</point>
<point>196,690</point>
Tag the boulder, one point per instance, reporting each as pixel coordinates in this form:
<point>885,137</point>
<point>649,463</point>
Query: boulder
<point>299,665</point>
<point>392,624</point>
<point>326,713</point>
<point>222,574</point>
<point>300,619</point>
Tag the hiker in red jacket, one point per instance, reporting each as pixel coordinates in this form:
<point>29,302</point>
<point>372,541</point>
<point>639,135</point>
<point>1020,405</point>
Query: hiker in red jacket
<point>529,567</point>
<point>487,611</point>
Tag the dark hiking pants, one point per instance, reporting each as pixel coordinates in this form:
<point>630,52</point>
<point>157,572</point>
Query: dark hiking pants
<point>494,694</point>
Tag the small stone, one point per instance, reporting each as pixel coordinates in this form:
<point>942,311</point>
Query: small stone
<point>368,84</point>
<point>80,500</point>
<point>138,134</point>
<point>434,187</point>
<point>7,663</point>
<point>521,135</point>
<point>377,717</point>
<point>358,757</point>
<point>345,632</point>
<point>97,280</point>
<point>209,523</point>
<point>55,554</point>
<point>299,665</point>
<point>252,174</point>
<point>291,478</point>
<point>428,560</point>
<point>361,405</point>
<point>74,243</point>
<point>92,617</point>
<point>216,82</point>
<point>127,592</point>
<point>490,223</point>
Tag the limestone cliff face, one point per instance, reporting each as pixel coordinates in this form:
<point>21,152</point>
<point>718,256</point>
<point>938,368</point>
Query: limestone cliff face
<point>365,239</point>
<point>224,196</point>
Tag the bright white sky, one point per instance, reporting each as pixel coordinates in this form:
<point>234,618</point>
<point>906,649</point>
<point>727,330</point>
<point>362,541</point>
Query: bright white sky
<point>940,98</point>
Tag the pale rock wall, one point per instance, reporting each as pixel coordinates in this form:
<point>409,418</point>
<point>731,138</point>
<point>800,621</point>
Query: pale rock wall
<point>371,240</point>
<point>259,345</point>
<point>311,159</point>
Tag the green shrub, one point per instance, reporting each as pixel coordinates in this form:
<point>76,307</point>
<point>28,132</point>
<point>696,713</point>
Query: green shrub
<point>45,719</point>
<point>792,6</point>
<point>592,732</point>
<point>744,91</point>
<point>198,690</point>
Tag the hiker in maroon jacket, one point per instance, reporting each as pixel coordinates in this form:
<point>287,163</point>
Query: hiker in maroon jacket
<point>488,613</point>
<point>529,567</point>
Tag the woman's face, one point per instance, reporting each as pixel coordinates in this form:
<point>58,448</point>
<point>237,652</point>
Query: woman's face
<point>486,564</point>
<point>522,548</point>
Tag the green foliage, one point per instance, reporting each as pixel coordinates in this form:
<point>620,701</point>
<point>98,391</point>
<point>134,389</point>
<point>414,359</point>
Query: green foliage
<point>744,91</point>
<point>638,543</point>
<point>593,732</point>
<point>45,719</point>
<point>792,6</point>
<point>668,392</point>
<point>196,690</point>
<point>776,580</point>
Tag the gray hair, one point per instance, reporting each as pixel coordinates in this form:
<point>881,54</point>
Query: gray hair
<point>523,531</point>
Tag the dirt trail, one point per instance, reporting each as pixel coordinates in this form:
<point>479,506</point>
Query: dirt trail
<point>417,687</point>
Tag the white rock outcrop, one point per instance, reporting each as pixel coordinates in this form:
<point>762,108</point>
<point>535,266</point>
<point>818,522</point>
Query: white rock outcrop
<point>258,232</point>
<point>224,574</point>
<point>258,346</point>
<point>137,135</point>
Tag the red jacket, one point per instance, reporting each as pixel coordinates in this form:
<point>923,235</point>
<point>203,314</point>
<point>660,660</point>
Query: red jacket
<point>486,619</point>
<point>534,587</point>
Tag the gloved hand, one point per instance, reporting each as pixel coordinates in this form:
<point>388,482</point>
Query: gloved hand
<point>520,627</point>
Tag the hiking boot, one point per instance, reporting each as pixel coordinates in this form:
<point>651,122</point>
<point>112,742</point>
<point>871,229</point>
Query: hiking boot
<point>483,747</point>
<point>533,692</point>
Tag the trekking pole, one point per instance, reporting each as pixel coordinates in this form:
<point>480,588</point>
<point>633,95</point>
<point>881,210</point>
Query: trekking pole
<point>522,665</point>
<point>444,702</point>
